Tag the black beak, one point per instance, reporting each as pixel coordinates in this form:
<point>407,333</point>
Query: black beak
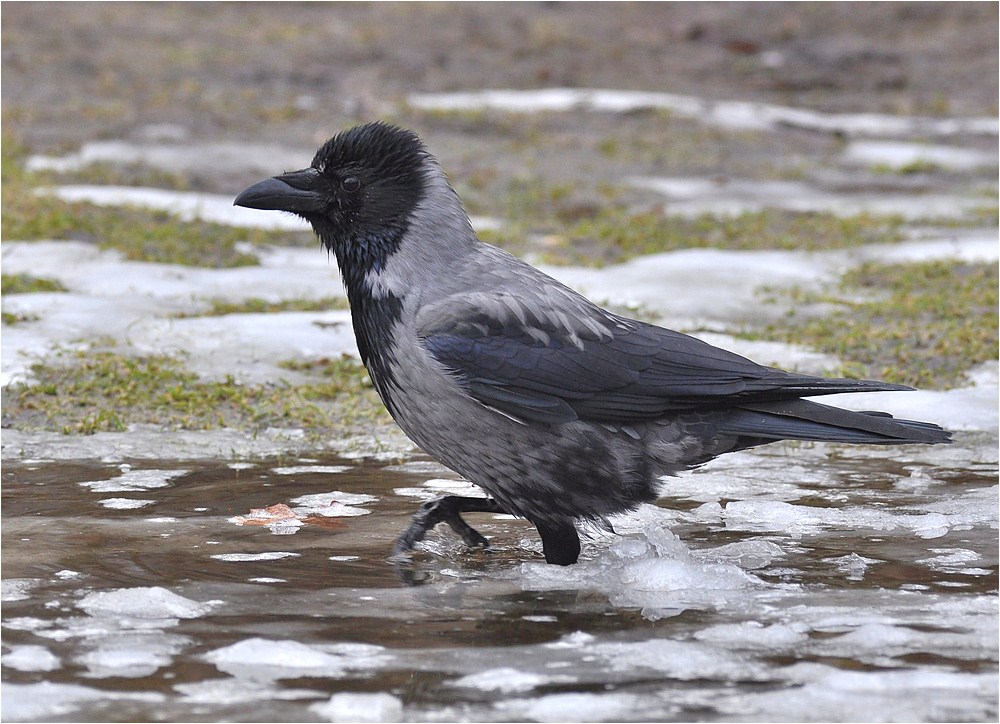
<point>296,191</point>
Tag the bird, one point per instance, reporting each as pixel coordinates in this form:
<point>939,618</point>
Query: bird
<point>562,412</point>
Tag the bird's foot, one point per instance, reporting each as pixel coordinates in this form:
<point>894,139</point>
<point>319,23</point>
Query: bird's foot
<point>446,510</point>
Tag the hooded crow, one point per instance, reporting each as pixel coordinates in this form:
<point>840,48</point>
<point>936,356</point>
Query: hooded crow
<point>561,411</point>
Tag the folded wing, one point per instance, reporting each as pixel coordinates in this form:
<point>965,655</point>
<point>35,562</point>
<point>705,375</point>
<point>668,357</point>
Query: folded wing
<point>568,360</point>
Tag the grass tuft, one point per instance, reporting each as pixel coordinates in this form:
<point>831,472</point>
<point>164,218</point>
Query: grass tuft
<point>139,234</point>
<point>27,284</point>
<point>256,305</point>
<point>94,391</point>
<point>924,324</point>
<point>598,235</point>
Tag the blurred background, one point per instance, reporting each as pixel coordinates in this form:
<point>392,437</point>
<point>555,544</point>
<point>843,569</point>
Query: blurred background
<point>297,71</point>
<point>289,75</point>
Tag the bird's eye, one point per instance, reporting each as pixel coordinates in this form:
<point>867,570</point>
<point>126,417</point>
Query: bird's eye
<point>350,184</point>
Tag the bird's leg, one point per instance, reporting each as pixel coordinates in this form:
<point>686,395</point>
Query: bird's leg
<point>560,542</point>
<point>447,510</point>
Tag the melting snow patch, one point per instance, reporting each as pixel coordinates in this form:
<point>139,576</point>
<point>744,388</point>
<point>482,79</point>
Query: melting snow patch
<point>727,282</point>
<point>133,480</point>
<point>125,503</point>
<point>312,469</point>
<point>798,520</point>
<point>246,557</point>
<point>951,559</point>
<point>26,623</point>
<point>684,660</point>
<point>31,658</point>
<point>965,408</point>
<point>154,602</point>
<point>747,554</point>
<point>881,644</point>
<point>852,564</point>
<point>732,197</point>
<point>324,500</point>
<point>452,486</point>
<point>47,700</point>
<point>833,695</point>
<point>755,635</point>
<point>432,488</point>
<point>330,508</point>
<point>182,155</point>
<point>193,205</point>
<point>350,706</point>
<point>17,589</point>
<point>574,707</point>
<point>238,691</point>
<point>968,245</point>
<point>656,573</point>
<point>252,343</point>
<point>419,467</point>
<point>507,680</point>
<point>899,154</point>
<point>186,205</point>
<point>133,657</point>
<point>575,640</point>
<point>265,660</point>
<point>728,114</point>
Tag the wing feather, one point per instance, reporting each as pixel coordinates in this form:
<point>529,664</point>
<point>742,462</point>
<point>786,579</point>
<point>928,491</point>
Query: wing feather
<point>575,360</point>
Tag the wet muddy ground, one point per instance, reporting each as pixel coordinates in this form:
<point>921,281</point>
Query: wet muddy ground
<point>778,585</point>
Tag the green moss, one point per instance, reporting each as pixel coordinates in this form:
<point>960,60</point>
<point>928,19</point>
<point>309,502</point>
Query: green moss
<point>987,215</point>
<point>923,324</point>
<point>256,305</point>
<point>609,147</point>
<point>140,234</point>
<point>767,229</point>
<point>25,283</point>
<point>918,166</point>
<point>613,235</point>
<point>12,319</point>
<point>106,391</point>
<point>107,174</point>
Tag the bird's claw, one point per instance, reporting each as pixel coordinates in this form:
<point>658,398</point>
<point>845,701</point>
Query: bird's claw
<point>446,510</point>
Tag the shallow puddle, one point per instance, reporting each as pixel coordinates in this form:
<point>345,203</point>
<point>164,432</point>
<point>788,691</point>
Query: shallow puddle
<point>789,583</point>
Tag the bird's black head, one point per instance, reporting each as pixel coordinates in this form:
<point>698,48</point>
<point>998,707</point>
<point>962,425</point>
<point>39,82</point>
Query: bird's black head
<point>358,193</point>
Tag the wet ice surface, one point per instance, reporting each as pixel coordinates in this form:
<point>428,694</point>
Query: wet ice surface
<point>793,582</point>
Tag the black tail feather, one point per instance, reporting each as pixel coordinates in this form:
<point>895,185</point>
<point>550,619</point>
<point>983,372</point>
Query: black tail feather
<point>806,420</point>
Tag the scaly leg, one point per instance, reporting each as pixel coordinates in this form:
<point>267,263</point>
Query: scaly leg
<point>560,542</point>
<point>447,510</point>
